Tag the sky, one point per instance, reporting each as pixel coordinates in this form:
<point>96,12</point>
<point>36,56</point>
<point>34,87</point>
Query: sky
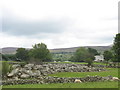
<point>58,23</point>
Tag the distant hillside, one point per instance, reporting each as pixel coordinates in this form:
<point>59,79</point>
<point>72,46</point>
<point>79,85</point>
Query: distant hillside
<point>73,49</point>
<point>9,50</point>
<point>12,50</point>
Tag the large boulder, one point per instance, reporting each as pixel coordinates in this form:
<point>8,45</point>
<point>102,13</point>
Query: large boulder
<point>115,79</point>
<point>25,76</point>
<point>29,72</point>
<point>15,66</point>
<point>36,73</point>
<point>13,72</point>
<point>29,66</point>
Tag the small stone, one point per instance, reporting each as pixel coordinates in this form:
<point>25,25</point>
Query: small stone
<point>77,81</point>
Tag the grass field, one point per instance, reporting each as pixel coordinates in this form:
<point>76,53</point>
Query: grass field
<point>110,71</point>
<point>106,84</point>
<point>97,63</point>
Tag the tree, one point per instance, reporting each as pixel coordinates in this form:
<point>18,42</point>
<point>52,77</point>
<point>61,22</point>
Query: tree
<point>40,52</point>
<point>80,54</point>
<point>89,59</point>
<point>108,56</point>
<point>116,48</point>
<point>93,51</point>
<point>8,57</point>
<point>83,54</point>
<point>11,57</point>
<point>4,57</point>
<point>22,54</point>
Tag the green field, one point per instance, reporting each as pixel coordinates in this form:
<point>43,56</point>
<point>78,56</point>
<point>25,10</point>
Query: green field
<point>96,63</point>
<point>110,71</point>
<point>106,84</point>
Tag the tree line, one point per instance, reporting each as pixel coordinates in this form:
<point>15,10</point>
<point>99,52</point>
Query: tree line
<point>40,53</point>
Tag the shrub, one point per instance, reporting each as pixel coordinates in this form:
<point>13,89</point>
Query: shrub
<point>22,64</point>
<point>35,61</point>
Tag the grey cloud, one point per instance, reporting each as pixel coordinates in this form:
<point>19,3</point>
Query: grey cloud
<point>17,27</point>
<point>101,40</point>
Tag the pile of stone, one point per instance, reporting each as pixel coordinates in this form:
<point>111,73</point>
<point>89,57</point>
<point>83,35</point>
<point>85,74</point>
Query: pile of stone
<point>38,74</point>
<point>34,71</point>
<point>46,80</point>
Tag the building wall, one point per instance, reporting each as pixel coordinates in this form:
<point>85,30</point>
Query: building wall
<point>99,58</point>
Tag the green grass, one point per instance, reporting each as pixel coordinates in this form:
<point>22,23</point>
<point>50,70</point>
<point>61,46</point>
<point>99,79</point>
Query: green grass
<point>70,62</point>
<point>106,84</point>
<point>7,61</point>
<point>98,63</point>
<point>110,71</point>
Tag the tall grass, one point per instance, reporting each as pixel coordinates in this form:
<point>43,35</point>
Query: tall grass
<point>5,68</point>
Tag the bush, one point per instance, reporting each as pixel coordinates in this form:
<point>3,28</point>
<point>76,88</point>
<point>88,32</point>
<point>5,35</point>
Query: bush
<point>35,61</point>
<point>89,61</point>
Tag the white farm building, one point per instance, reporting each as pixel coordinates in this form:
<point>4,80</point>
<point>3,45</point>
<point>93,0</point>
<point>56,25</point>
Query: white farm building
<point>99,58</point>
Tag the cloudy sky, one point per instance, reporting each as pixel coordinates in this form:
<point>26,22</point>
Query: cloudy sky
<point>58,23</point>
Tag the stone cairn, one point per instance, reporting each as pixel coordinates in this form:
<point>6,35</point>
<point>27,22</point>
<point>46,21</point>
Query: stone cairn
<point>37,74</point>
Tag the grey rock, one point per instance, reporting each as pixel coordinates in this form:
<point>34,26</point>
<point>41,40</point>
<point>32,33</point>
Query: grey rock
<point>25,76</point>
<point>29,66</point>
<point>13,72</point>
<point>16,66</point>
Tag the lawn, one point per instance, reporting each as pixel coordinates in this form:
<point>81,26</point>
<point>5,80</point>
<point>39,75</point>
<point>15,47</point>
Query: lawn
<point>106,84</point>
<point>110,71</point>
